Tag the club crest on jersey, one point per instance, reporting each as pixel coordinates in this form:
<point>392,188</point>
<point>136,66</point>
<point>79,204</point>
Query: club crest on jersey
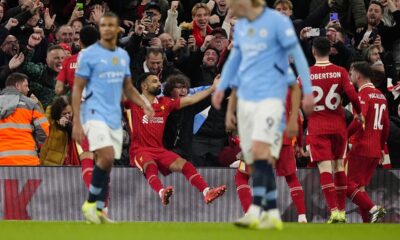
<point>115,61</point>
<point>123,62</point>
<point>250,32</point>
<point>162,108</point>
<point>263,33</point>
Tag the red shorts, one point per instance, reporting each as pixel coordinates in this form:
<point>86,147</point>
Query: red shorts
<point>360,169</point>
<point>286,165</point>
<point>162,157</point>
<point>325,147</point>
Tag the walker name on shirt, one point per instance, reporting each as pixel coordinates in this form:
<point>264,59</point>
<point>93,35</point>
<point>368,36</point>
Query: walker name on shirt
<point>326,75</point>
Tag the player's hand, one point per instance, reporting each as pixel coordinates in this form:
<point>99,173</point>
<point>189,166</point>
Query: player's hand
<point>217,99</point>
<point>308,104</point>
<point>230,121</point>
<point>304,153</point>
<point>77,132</point>
<point>361,119</point>
<point>382,160</point>
<point>292,128</point>
<point>148,110</point>
<point>216,82</point>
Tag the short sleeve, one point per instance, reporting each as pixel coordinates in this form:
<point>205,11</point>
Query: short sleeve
<point>83,69</point>
<point>62,75</point>
<point>174,104</point>
<point>127,65</point>
<point>285,31</point>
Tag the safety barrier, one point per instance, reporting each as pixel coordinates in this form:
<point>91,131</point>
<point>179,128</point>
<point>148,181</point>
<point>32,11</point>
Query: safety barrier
<point>56,194</point>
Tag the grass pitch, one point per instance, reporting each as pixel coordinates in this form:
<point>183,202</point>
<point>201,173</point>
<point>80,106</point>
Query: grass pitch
<point>30,230</point>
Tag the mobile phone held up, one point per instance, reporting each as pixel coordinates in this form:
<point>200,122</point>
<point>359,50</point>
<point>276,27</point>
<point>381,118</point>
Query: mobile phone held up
<point>333,17</point>
<point>314,32</point>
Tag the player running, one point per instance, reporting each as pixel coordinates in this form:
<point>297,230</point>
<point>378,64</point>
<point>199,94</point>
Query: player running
<point>147,151</point>
<point>257,70</point>
<point>327,136</point>
<point>367,144</point>
<point>103,70</point>
<point>285,167</point>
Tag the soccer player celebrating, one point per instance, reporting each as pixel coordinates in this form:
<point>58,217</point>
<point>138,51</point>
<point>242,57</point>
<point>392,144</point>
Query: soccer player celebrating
<point>147,150</point>
<point>257,70</point>
<point>327,136</point>
<point>103,70</point>
<point>367,144</point>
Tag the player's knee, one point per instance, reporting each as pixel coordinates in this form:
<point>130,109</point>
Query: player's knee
<point>86,155</point>
<point>325,166</point>
<point>261,151</point>
<point>177,166</point>
<point>338,165</point>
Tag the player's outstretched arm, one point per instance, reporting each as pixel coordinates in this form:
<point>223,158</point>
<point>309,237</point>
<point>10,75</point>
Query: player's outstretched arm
<point>292,128</point>
<point>190,100</point>
<point>228,74</point>
<point>77,130</point>
<point>134,96</point>
<point>301,64</point>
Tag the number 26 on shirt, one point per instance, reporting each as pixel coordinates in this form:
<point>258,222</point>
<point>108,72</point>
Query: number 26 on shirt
<point>332,98</point>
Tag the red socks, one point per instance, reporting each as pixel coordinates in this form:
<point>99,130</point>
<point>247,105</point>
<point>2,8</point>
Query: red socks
<point>341,189</point>
<point>361,199</point>
<point>194,178</point>
<point>297,193</point>
<point>87,170</point>
<point>243,190</point>
<point>151,174</point>
<point>365,215</point>
<point>328,189</point>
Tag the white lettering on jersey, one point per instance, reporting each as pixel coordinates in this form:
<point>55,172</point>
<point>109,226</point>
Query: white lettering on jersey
<point>327,75</point>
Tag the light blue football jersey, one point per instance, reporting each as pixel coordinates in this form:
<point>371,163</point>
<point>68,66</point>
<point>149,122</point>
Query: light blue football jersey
<point>105,71</point>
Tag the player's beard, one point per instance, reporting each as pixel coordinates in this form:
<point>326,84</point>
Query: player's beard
<point>155,91</point>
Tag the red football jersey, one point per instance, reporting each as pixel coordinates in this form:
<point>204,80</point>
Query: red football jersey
<point>329,84</point>
<point>147,131</point>
<point>67,73</point>
<point>370,142</point>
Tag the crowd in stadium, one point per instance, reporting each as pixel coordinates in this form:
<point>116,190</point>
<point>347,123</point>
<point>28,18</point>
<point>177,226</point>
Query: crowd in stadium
<point>185,44</point>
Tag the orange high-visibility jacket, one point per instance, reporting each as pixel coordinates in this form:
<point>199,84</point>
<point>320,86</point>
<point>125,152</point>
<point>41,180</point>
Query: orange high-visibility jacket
<point>23,129</point>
